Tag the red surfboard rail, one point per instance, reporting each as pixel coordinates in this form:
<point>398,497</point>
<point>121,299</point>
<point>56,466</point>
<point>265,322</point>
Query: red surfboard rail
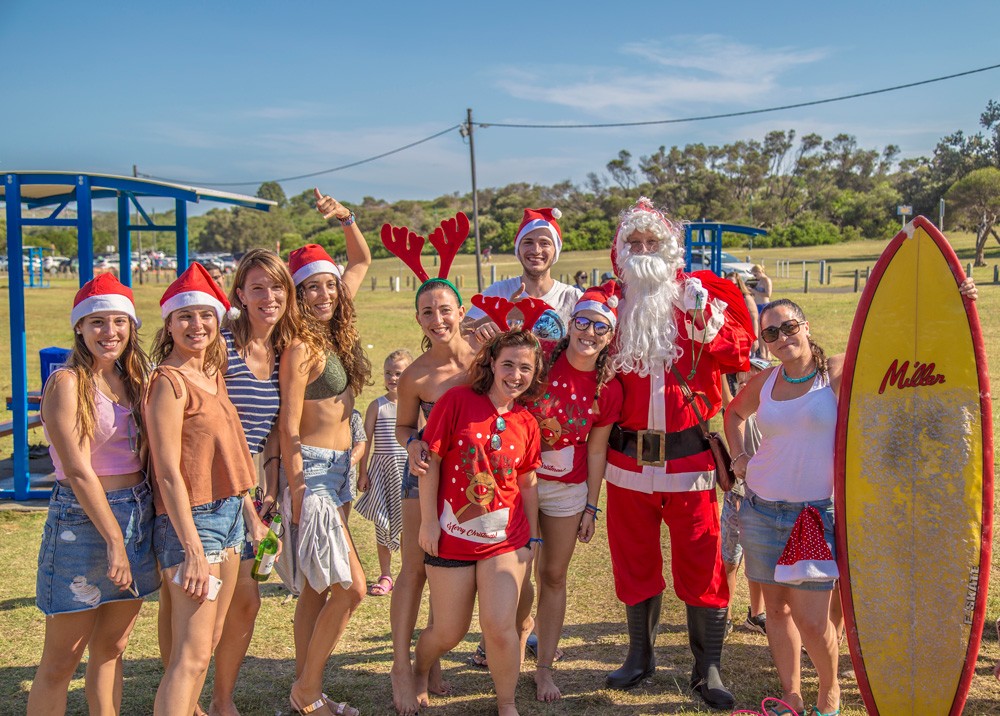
<point>843,420</point>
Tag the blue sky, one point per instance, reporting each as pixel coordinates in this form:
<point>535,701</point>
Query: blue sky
<point>212,91</point>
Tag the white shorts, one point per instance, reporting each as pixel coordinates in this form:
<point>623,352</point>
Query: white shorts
<point>561,499</point>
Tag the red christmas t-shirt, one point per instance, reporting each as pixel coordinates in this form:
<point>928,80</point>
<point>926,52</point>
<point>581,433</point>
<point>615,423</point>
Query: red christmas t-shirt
<point>565,413</point>
<point>479,501</point>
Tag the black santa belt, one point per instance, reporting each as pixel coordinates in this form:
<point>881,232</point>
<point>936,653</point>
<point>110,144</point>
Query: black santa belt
<point>655,447</point>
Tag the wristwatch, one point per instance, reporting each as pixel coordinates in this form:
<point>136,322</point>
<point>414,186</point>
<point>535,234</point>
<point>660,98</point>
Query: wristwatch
<point>348,221</point>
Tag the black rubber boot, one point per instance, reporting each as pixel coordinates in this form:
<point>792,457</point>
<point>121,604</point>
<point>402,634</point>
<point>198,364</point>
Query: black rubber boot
<point>640,663</point>
<point>706,632</point>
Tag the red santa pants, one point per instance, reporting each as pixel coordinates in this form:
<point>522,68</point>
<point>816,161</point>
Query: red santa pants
<point>695,545</point>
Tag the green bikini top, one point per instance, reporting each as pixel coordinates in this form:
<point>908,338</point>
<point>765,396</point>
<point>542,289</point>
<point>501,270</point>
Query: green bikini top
<point>331,382</point>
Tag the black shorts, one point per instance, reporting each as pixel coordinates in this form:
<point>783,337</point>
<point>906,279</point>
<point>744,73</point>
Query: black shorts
<point>450,563</point>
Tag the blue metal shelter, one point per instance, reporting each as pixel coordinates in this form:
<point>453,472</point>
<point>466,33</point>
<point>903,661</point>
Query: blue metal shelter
<point>707,235</point>
<point>38,189</point>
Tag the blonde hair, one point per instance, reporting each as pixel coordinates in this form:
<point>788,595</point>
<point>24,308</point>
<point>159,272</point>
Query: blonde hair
<point>132,365</point>
<point>216,356</point>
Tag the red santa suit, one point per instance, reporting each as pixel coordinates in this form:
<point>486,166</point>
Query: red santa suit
<point>678,489</point>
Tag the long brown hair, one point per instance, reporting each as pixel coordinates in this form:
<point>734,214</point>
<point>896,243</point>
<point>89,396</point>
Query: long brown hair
<point>216,357</point>
<point>819,355</point>
<point>343,337</point>
<point>290,325</point>
<point>132,365</point>
<point>481,371</point>
<point>604,370</point>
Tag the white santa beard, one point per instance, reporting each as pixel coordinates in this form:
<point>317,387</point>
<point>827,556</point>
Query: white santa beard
<point>647,328</point>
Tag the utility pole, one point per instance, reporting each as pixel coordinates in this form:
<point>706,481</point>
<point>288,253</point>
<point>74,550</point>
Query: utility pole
<point>466,131</point>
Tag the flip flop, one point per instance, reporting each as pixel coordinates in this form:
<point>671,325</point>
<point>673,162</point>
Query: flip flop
<point>339,708</point>
<point>378,589</point>
<point>479,658</point>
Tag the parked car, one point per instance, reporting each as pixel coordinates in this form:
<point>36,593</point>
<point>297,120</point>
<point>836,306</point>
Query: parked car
<point>730,264</point>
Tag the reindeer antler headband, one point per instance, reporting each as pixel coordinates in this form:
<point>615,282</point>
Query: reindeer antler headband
<point>447,239</point>
<point>498,308</point>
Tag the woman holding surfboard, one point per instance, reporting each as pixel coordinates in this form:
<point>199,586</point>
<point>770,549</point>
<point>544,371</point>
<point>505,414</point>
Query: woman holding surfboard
<point>796,407</point>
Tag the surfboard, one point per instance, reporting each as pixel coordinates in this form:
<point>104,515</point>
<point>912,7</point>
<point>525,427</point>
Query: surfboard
<point>914,481</point>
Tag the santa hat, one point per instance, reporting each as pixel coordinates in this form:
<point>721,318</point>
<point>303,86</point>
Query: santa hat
<point>104,293</point>
<point>626,225</point>
<point>807,556</point>
<point>540,219</point>
<point>603,299</point>
<point>311,259</point>
<point>195,287</point>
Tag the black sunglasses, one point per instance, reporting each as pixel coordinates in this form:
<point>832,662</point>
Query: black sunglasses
<point>788,328</point>
<point>582,324</point>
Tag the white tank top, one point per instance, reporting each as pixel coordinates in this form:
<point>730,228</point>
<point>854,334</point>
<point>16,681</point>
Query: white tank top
<point>794,462</point>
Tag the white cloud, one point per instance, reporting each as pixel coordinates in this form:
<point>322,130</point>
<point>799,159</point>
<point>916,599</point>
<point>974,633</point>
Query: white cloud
<point>696,69</point>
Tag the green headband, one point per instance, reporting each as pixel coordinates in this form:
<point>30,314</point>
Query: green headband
<point>443,282</point>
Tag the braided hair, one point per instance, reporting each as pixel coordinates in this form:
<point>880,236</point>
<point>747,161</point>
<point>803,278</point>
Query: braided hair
<point>604,370</point>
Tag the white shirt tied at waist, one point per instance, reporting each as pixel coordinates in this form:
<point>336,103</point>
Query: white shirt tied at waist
<point>322,556</point>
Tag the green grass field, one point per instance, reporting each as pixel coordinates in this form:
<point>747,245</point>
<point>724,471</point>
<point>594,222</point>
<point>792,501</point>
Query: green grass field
<point>593,636</point>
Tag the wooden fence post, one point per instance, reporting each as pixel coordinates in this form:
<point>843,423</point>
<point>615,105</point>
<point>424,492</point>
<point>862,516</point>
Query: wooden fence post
<point>805,287</point>
<point>857,280</point>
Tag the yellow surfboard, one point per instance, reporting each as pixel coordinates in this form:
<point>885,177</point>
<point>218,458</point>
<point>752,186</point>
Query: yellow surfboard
<point>914,481</point>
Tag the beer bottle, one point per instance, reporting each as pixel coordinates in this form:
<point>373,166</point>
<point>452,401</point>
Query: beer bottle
<point>266,552</point>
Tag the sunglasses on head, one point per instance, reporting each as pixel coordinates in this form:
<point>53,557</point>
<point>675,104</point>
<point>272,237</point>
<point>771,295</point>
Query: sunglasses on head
<point>582,324</point>
<point>788,328</point>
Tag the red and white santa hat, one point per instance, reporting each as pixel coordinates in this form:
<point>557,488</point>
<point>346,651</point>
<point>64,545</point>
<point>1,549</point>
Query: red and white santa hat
<point>546,219</point>
<point>603,299</point>
<point>807,556</point>
<point>104,293</point>
<point>195,287</point>
<point>311,259</point>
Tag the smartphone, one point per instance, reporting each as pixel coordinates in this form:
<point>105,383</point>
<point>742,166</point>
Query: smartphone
<point>214,584</point>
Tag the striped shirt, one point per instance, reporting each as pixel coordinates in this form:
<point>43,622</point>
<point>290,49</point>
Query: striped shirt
<point>256,401</point>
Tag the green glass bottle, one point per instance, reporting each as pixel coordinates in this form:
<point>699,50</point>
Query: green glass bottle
<point>266,552</point>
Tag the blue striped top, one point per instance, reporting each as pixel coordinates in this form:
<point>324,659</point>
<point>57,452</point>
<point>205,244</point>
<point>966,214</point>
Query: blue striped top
<point>256,401</point>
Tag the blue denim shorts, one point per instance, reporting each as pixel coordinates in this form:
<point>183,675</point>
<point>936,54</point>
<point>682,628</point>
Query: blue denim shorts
<point>73,558</point>
<point>220,528</point>
<point>764,530</point>
<point>410,489</point>
<point>732,551</point>
<point>327,473</point>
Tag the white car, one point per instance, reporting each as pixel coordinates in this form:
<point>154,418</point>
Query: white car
<point>730,264</point>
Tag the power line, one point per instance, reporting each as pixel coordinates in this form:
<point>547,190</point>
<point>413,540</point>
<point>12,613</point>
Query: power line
<point>745,113</point>
<point>508,125</point>
<point>321,172</point>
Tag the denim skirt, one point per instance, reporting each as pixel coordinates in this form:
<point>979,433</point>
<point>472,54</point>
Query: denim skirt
<point>764,530</point>
<point>73,558</point>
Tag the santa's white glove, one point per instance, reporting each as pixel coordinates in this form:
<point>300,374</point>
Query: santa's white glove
<point>694,296</point>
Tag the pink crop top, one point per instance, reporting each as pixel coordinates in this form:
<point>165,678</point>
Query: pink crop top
<point>111,450</point>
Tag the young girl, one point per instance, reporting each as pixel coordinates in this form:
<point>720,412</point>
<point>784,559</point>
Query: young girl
<point>382,478</point>
<point>96,560</point>
<point>318,381</point>
<point>479,508</point>
<point>202,474</point>
<point>580,401</point>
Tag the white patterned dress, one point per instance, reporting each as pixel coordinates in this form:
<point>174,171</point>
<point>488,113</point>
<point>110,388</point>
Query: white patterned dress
<point>382,502</point>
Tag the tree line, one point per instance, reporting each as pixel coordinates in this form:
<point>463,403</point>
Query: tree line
<point>804,190</point>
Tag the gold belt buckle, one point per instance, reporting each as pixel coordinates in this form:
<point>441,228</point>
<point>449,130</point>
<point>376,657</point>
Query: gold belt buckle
<point>660,451</point>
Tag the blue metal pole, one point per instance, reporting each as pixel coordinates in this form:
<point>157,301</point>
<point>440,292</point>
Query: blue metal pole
<point>124,242</point>
<point>18,339</point>
<point>181,228</point>
<point>85,228</point>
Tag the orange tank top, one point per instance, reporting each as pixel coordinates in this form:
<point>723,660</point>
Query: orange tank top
<point>215,460</point>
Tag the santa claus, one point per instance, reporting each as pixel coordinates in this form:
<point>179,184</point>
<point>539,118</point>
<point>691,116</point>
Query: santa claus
<point>673,328</point>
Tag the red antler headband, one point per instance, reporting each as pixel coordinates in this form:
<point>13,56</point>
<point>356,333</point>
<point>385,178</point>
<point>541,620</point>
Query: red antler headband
<point>446,239</point>
<point>499,308</point>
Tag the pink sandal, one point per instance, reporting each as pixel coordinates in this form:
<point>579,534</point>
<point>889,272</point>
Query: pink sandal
<point>378,589</point>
